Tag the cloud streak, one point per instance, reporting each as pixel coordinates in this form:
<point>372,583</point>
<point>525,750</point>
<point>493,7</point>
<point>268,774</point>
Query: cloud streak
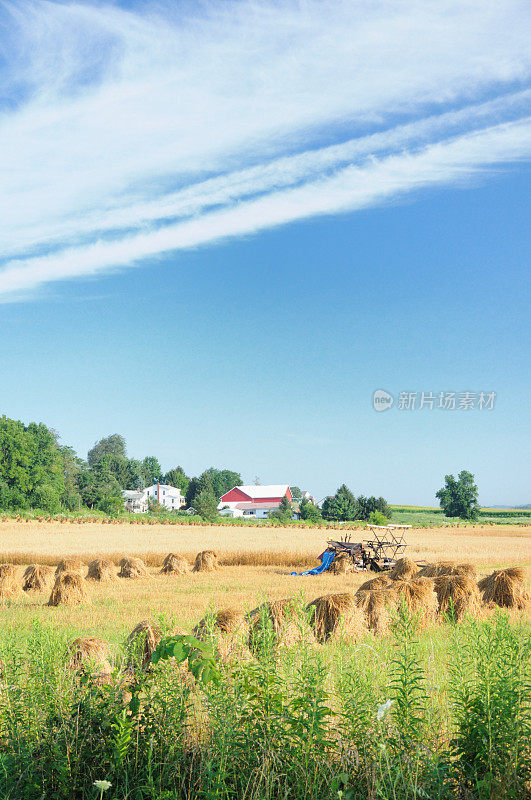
<point>129,134</point>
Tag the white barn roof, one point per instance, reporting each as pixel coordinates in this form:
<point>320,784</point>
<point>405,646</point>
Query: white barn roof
<point>257,492</point>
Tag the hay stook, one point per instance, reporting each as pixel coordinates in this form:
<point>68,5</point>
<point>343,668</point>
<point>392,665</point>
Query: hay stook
<point>36,578</point>
<point>133,568</point>
<point>457,595</point>
<point>9,584</point>
<point>141,644</point>
<point>404,569</point>
<point>447,568</point>
<point>89,657</point>
<point>68,589</point>
<point>226,630</point>
<point>280,623</point>
<point>336,615</point>
<point>419,597</point>
<point>505,588</point>
<point>341,564</point>
<point>377,606</point>
<point>380,582</point>
<point>175,565</point>
<point>70,565</point>
<point>206,561</point>
<point>101,569</point>
<point>225,621</point>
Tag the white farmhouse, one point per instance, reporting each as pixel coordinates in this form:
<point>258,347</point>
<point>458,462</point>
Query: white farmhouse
<point>137,501</point>
<point>168,496</point>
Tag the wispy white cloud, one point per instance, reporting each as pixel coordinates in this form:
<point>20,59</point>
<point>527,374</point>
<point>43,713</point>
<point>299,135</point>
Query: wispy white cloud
<point>125,134</point>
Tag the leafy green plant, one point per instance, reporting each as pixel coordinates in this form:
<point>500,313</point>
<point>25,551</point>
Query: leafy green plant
<point>491,706</point>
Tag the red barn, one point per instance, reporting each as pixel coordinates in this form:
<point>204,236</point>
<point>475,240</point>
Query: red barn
<point>253,501</point>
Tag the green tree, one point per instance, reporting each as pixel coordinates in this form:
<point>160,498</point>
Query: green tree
<point>113,445</point>
<point>15,456</point>
<point>177,477</point>
<point>295,492</point>
<point>219,481</point>
<point>30,457</point>
<point>341,507</point>
<point>309,511</point>
<point>97,484</point>
<point>135,477</point>
<point>284,512</point>
<point>72,465</point>
<point>205,501</point>
<point>192,490</point>
<point>377,518</point>
<point>47,499</point>
<point>222,480</point>
<point>11,497</point>
<point>383,507</point>
<point>365,506</point>
<point>111,504</point>
<point>5,495</point>
<point>152,470</point>
<point>459,498</point>
<point>117,466</point>
<point>46,460</point>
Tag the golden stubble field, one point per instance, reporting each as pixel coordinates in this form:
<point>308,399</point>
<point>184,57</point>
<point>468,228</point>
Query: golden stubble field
<point>256,565</point>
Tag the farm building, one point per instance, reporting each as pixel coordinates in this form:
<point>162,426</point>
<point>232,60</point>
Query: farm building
<point>253,501</point>
<point>168,496</point>
<point>135,501</point>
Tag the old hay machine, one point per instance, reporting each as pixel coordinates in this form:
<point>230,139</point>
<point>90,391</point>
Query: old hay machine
<point>378,553</point>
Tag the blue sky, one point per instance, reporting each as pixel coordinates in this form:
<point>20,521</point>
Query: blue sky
<point>225,226</point>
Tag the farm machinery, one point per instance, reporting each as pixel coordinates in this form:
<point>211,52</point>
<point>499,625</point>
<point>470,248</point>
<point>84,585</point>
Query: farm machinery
<point>377,554</point>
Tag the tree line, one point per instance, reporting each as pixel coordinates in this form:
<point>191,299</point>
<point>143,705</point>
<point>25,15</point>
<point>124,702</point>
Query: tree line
<point>37,471</point>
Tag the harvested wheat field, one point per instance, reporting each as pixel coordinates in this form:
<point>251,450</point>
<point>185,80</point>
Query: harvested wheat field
<point>253,568</point>
<point>293,646</point>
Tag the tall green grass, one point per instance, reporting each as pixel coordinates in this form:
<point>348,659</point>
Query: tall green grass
<point>438,715</point>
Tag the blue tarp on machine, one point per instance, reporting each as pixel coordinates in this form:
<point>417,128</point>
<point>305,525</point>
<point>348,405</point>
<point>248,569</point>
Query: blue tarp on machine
<point>326,560</point>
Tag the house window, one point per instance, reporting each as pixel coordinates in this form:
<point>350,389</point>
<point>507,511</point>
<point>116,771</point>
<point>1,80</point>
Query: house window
<point>249,513</point>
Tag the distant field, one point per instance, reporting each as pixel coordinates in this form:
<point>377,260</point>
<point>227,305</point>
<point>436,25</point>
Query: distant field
<point>425,515</point>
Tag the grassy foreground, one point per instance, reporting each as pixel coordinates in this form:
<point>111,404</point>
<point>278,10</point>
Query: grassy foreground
<point>443,714</point>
